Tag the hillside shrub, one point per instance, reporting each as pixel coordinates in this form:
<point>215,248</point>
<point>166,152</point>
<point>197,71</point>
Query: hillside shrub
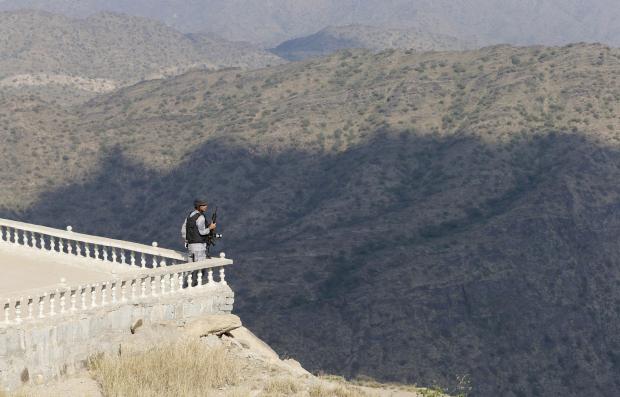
<point>186,368</point>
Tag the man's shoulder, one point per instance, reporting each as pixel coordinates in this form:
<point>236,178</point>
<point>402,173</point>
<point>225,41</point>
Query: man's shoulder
<point>197,214</point>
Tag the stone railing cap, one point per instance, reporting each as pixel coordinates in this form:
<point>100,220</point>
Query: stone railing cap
<point>102,241</point>
<point>141,273</point>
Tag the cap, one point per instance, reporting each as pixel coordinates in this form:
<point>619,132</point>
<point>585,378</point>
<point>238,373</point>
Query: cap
<point>198,203</point>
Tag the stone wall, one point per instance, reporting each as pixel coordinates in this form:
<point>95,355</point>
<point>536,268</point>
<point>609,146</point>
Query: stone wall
<point>52,347</point>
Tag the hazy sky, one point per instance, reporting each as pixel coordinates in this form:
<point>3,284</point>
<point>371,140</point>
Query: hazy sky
<point>271,21</point>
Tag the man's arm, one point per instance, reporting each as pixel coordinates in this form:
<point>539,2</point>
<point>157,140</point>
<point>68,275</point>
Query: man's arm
<point>203,229</point>
<point>183,230</point>
<point>201,223</point>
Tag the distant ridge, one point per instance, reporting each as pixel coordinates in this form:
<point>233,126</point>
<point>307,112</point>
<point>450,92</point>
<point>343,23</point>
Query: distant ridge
<point>107,50</point>
<point>269,23</point>
<point>335,38</point>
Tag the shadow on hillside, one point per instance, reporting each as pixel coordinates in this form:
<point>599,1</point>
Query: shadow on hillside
<point>407,258</point>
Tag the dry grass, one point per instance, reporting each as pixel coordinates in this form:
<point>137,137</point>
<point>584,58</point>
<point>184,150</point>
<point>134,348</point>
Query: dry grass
<point>240,391</point>
<point>187,368</point>
<point>16,394</point>
<point>338,391</point>
<point>281,387</point>
<point>293,387</point>
<point>369,382</point>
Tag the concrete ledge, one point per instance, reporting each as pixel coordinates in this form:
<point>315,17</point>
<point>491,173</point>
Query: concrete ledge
<point>52,347</point>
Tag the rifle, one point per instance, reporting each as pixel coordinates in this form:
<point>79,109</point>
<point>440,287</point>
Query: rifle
<point>213,234</point>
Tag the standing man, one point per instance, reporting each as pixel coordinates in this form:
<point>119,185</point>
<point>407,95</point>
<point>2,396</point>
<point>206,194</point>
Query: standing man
<point>195,232</point>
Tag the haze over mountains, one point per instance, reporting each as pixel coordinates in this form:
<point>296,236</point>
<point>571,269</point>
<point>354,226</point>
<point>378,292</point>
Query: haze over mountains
<point>106,51</point>
<point>335,38</point>
<point>271,22</point>
<point>412,216</point>
<point>405,216</point>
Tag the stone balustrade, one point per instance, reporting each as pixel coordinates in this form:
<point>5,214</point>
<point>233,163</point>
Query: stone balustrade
<point>86,246</point>
<point>133,288</point>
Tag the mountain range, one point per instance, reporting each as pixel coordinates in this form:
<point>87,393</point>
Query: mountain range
<point>40,50</point>
<point>269,23</point>
<point>408,216</point>
<point>335,38</point>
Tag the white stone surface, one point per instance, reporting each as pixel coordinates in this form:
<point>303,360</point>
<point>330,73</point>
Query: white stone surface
<point>26,269</point>
<point>50,348</point>
<point>66,296</point>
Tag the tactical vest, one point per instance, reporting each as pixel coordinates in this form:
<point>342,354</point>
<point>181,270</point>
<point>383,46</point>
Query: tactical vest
<point>192,234</point>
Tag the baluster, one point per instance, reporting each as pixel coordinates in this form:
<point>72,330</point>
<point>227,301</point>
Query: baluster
<point>42,241</point>
<point>143,287</point>
<point>18,310</point>
<point>30,304</point>
<point>222,276</point>
<point>162,282</point>
<point>104,293</point>
<point>78,248</point>
<point>200,278</point>
<point>52,303</point>
<point>61,245</point>
<point>83,295</point>
<point>189,280</point>
<point>210,276</point>
<point>123,291</point>
<point>93,295</point>
<point>143,260</point>
<point>180,276</point>
<point>52,243</point>
<point>123,257</point>
<point>33,242</point>
<point>70,246</point>
<point>105,252</point>
<point>113,254</point>
<point>15,236</point>
<point>96,251</point>
<point>153,285</point>
<point>132,255</point>
<point>133,289</point>
<point>73,299</point>
<point>7,307</point>
<point>41,306</point>
<point>63,301</point>
<point>114,292</point>
<point>154,264</point>
<point>172,281</point>
<point>2,228</point>
<point>87,250</point>
<point>163,263</point>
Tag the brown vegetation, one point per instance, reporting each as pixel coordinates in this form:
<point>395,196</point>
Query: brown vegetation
<point>60,58</point>
<point>182,369</point>
<point>424,215</point>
